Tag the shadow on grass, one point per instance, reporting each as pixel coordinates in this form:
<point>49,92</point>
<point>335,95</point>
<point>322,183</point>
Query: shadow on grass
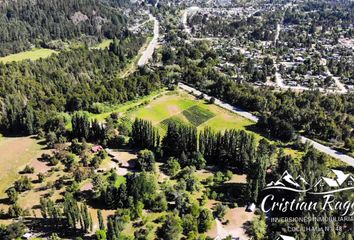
<point>231,193</point>
<point>255,129</point>
<point>5,201</point>
<point>45,227</point>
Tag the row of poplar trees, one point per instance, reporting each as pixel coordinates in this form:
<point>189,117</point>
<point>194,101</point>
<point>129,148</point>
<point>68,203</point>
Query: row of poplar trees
<point>232,148</point>
<point>74,214</point>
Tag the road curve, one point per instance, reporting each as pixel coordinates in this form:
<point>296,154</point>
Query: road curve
<point>149,51</point>
<point>320,147</point>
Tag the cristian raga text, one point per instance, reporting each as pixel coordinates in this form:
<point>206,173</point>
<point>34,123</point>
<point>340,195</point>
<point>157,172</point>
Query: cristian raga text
<point>268,204</point>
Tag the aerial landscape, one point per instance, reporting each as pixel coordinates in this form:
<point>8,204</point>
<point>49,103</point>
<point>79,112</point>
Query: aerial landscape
<point>177,119</point>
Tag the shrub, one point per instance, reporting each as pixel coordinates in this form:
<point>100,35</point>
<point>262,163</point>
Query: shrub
<point>212,100</point>
<point>41,177</point>
<point>23,184</point>
<point>220,210</point>
<point>28,169</point>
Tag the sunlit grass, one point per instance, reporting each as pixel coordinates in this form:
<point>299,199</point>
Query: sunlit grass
<point>34,54</point>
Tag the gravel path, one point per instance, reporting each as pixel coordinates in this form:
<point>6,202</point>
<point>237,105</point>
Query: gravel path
<point>149,51</point>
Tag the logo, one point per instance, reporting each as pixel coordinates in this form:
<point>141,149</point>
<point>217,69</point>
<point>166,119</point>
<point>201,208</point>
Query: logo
<point>319,196</point>
<point>341,182</point>
<point>284,237</point>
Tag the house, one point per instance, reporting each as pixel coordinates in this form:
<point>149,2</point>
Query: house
<point>349,182</point>
<point>342,180</point>
<point>96,149</point>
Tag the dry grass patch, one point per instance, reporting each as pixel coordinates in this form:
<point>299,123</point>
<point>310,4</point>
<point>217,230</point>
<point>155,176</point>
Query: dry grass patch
<point>15,154</point>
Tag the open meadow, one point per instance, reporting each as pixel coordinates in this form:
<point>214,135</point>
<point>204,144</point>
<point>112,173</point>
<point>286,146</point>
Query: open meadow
<point>181,107</point>
<point>34,54</point>
<point>15,153</point>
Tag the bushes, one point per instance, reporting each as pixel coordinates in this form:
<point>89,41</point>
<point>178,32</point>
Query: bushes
<point>220,210</point>
<point>172,167</point>
<point>98,108</point>
<point>12,231</point>
<point>23,184</point>
<point>146,160</point>
<point>12,194</point>
<point>28,169</point>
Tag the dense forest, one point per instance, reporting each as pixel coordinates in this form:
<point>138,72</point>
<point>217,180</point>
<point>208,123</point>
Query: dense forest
<point>27,23</point>
<point>70,81</point>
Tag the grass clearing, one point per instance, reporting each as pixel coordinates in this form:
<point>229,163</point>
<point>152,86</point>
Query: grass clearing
<point>120,108</point>
<point>125,107</point>
<point>34,54</point>
<point>104,44</point>
<point>178,120</point>
<point>163,108</point>
<point>181,107</point>
<point>15,154</point>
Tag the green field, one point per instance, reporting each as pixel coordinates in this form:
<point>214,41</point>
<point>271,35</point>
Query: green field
<point>181,107</point>
<point>33,55</point>
<point>104,44</point>
<point>120,108</point>
<point>38,53</point>
<point>120,180</point>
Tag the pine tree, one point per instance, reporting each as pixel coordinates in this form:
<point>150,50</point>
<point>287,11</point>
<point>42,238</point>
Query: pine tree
<point>80,126</point>
<point>100,220</point>
<point>71,210</point>
<point>144,135</point>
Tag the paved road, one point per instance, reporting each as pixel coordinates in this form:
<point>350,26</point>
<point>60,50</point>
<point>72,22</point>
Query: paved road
<point>338,155</point>
<point>149,51</point>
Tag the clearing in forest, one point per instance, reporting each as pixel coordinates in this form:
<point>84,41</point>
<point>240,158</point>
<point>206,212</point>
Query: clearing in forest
<point>180,107</point>
<point>33,55</point>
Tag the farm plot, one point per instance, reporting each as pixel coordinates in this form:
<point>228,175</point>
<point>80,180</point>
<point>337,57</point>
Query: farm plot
<point>197,115</point>
<point>182,108</point>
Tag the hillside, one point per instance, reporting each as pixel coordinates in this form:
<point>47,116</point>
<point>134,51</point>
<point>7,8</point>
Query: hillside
<point>27,23</point>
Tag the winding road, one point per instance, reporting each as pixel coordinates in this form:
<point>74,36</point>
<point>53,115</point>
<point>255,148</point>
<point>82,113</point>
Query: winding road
<point>320,147</point>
